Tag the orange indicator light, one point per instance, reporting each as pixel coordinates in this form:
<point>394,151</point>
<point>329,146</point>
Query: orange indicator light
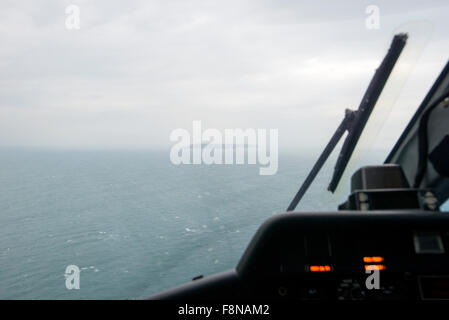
<point>320,268</point>
<point>375,267</point>
<point>373,259</point>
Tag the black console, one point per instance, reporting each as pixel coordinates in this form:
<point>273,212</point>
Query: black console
<point>330,256</point>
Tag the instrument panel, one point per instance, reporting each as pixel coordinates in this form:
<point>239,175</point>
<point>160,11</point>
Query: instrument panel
<point>337,256</point>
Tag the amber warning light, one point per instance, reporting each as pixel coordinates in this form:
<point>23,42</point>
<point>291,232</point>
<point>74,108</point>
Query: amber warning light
<point>374,263</point>
<point>373,259</point>
<point>320,268</point>
<point>375,267</point>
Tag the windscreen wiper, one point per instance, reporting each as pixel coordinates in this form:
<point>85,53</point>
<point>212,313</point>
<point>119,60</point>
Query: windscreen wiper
<point>354,122</point>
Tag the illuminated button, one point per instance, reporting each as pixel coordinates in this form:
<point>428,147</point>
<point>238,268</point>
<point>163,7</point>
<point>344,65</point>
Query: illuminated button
<point>375,267</point>
<point>373,259</point>
<point>325,268</point>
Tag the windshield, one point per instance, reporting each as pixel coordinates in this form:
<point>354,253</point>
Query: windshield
<point>143,143</point>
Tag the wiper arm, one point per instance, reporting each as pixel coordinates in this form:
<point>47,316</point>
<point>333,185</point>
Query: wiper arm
<point>354,122</point>
<point>366,106</point>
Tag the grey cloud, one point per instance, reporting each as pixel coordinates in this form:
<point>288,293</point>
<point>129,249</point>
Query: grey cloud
<point>138,69</point>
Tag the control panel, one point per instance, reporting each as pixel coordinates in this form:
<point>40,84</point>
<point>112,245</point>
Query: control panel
<point>337,256</point>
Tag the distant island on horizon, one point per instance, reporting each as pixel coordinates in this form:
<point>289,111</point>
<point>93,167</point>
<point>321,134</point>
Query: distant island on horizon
<point>223,145</point>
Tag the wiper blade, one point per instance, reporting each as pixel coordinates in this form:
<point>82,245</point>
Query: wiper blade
<point>354,122</point>
<point>366,106</point>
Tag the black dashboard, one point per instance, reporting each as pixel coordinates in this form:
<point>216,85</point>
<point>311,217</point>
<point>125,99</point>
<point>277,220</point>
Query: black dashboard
<point>344,255</point>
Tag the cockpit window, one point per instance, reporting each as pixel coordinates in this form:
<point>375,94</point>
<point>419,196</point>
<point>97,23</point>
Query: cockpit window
<point>143,143</point>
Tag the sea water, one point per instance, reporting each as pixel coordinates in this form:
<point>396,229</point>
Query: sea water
<point>133,222</point>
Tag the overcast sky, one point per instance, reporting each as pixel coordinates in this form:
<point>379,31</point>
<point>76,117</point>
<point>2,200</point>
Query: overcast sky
<point>136,70</point>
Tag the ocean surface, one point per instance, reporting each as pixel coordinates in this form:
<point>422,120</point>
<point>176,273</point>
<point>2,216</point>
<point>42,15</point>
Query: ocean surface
<point>131,221</point>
